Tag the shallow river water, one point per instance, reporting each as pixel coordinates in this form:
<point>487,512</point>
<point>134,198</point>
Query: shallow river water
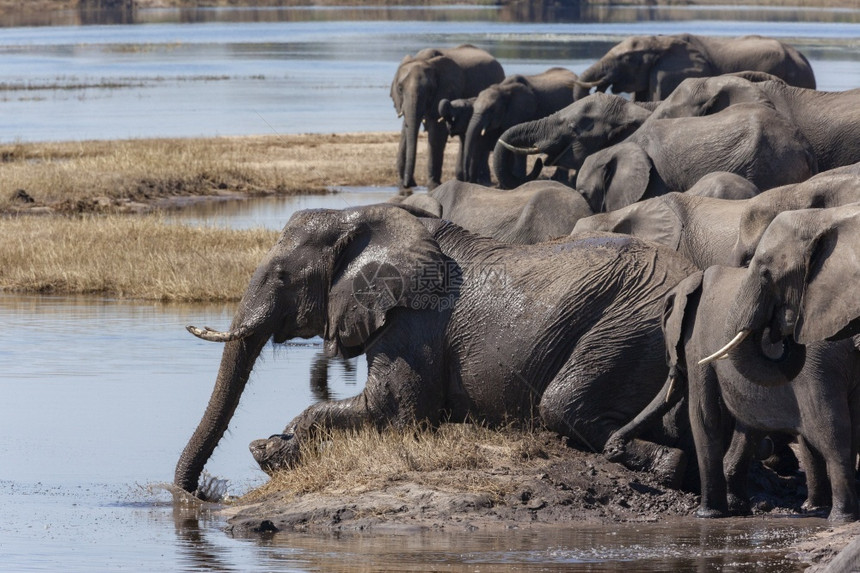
<point>99,396</point>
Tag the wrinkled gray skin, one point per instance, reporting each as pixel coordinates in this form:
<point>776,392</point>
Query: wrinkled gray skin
<point>516,100</point>
<point>750,140</point>
<point>828,120</point>
<point>568,136</point>
<point>796,288</point>
<point>651,67</point>
<point>712,231</point>
<point>454,326</point>
<point>532,213</point>
<point>420,82</point>
<point>821,404</point>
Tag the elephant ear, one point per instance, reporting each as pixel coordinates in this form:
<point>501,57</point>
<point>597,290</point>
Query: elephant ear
<point>680,59</point>
<point>830,304</point>
<point>654,220</point>
<point>627,176</point>
<point>674,306</point>
<point>384,259</point>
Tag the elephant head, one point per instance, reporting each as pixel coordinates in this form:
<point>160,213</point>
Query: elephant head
<point>798,287</point>
<point>496,108</point>
<point>630,65</point>
<point>706,96</point>
<point>335,274</point>
<point>618,176</point>
<point>456,114</point>
<point>418,86</point>
<point>568,136</point>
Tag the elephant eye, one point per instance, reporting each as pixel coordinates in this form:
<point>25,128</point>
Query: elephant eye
<point>585,124</point>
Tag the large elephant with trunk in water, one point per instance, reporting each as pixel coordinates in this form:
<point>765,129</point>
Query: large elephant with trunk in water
<point>420,83</point>
<point>651,67</point>
<point>454,327</point>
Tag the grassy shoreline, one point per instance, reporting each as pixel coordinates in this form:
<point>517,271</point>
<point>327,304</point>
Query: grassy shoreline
<point>95,196</point>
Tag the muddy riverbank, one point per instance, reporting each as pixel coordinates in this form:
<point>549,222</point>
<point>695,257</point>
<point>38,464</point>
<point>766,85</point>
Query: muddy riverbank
<point>536,483</point>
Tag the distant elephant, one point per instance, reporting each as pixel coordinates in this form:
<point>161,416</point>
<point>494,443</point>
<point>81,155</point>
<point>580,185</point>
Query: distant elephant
<point>532,213</point>
<point>454,326</point>
<point>828,120</point>
<point>821,404</point>
<point>456,115</point>
<point>651,67</point>
<point>712,231</point>
<point>516,100</point>
<point>568,136</point>
<point>420,82</point>
<point>664,155</point>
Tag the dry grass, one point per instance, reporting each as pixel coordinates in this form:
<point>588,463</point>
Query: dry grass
<point>95,175</point>
<point>360,460</point>
<point>136,257</point>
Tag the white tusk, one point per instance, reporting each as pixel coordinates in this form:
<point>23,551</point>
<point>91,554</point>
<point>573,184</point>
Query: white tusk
<point>440,120</point>
<point>483,132</point>
<point>724,351</point>
<point>521,150</point>
<point>399,114</point>
<point>670,388</point>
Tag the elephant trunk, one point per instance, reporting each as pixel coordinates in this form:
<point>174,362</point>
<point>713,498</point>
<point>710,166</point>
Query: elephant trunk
<point>760,350</point>
<point>243,345</point>
<point>411,125</point>
<point>593,77</point>
<point>472,145</point>
<point>516,141</point>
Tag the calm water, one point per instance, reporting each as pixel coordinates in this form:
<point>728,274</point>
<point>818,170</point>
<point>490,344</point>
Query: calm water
<point>101,395</point>
<point>227,72</point>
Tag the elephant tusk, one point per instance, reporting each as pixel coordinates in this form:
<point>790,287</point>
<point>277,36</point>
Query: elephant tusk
<point>520,150</point>
<point>399,114</point>
<point>440,120</point>
<point>670,388</point>
<point>211,335</point>
<point>724,351</point>
<point>587,85</point>
<point>484,132</point>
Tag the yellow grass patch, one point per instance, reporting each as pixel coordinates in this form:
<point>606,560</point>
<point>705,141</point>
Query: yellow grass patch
<point>102,175</point>
<point>125,256</point>
<point>353,461</point>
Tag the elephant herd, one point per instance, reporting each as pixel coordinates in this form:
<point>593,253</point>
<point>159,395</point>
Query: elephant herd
<point>683,290</point>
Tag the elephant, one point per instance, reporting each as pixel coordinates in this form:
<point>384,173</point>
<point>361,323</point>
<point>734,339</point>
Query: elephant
<point>664,155</point>
<point>420,82</point>
<point>651,67</point>
<point>828,120</point>
<point>567,136</point>
<point>454,326</point>
<point>821,404</point>
<point>790,299</point>
<point>515,100</point>
<point>532,213</point>
<point>713,231</point>
<point>456,115</point>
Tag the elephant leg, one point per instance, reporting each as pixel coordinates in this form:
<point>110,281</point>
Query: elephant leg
<point>403,387</point>
<point>706,420</point>
<point>401,153</point>
<point>737,466</point>
<point>817,484</point>
<point>592,396</point>
<point>460,169</point>
<point>437,137</point>
<point>837,452</point>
